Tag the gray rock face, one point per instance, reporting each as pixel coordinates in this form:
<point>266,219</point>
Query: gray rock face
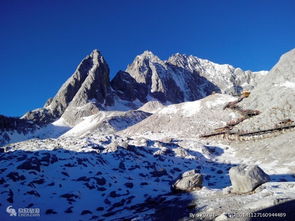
<point>89,85</point>
<point>88,89</point>
<point>148,78</point>
<point>180,78</point>
<point>40,116</point>
<point>189,181</point>
<point>246,178</point>
<point>90,81</point>
<point>127,88</point>
<point>274,96</point>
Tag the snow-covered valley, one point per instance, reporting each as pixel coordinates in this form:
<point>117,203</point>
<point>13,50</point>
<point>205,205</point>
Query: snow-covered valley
<point>116,178</point>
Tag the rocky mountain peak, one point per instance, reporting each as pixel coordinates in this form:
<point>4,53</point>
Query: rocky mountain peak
<point>188,62</point>
<point>96,57</point>
<point>95,52</point>
<point>88,84</point>
<point>143,62</point>
<point>147,55</point>
<point>178,79</point>
<point>179,57</point>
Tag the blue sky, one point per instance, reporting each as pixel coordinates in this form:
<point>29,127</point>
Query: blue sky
<point>42,42</point>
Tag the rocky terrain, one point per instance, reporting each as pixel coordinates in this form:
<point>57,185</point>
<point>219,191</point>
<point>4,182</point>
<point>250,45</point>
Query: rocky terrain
<point>133,148</point>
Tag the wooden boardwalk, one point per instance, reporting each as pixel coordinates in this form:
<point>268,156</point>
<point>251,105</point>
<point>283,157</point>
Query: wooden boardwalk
<point>251,133</point>
<point>226,132</point>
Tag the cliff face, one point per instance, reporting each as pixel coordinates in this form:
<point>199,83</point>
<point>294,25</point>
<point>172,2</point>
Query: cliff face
<point>180,78</point>
<point>89,84</point>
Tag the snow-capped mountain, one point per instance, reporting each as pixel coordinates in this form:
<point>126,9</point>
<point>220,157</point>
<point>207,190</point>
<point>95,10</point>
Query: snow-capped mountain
<point>180,78</point>
<point>89,90</point>
<point>106,149</point>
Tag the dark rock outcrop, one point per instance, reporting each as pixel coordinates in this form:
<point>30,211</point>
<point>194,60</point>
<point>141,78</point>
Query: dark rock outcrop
<point>8,124</point>
<point>127,88</point>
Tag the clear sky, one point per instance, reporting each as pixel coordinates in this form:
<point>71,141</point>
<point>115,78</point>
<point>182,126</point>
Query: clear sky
<point>43,41</point>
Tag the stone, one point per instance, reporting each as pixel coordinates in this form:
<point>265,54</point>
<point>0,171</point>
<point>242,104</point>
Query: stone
<point>245,178</point>
<point>222,217</point>
<point>189,181</point>
<point>227,190</point>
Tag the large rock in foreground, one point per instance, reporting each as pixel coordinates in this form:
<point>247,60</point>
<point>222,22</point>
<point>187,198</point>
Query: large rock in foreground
<point>245,178</point>
<point>189,181</point>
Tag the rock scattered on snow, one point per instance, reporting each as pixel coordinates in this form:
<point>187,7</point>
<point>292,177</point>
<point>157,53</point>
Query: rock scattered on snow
<point>245,178</point>
<point>227,190</point>
<point>189,181</point>
<point>221,217</point>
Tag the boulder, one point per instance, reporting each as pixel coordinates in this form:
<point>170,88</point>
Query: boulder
<point>222,217</point>
<point>245,178</point>
<point>189,181</point>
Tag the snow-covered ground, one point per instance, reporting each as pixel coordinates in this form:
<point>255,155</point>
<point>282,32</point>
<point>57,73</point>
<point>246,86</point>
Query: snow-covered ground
<point>114,178</point>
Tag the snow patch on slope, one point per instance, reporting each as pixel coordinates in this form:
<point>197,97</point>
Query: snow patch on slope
<point>107,122</point>
<point>288,84</point>
<point>88,124</point>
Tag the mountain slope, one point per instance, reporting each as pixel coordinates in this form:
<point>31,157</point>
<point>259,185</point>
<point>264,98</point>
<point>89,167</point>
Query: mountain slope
<point>188,119</point>
<point>107,122</point>
<point>89,90</point>
<point>274,96</point>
